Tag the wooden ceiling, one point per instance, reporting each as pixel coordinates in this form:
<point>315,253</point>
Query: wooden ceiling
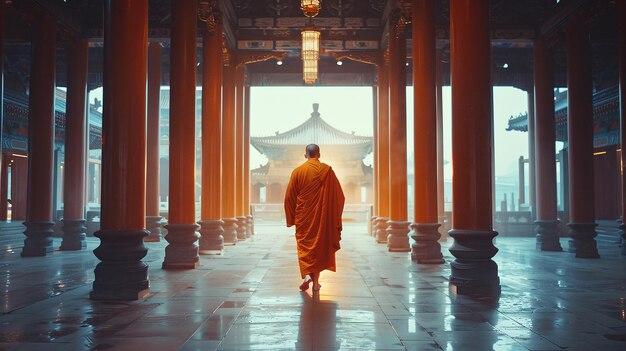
<point>347,26</point>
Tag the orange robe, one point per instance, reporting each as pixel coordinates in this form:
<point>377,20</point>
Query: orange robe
<point>314,203</point>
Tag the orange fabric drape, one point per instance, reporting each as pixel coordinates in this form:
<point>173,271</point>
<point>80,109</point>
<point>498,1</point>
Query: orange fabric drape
<point>314,203</point>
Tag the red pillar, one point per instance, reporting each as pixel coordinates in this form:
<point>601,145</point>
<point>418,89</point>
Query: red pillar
<point>211,239</point>
<point>39,222</point>
<point>3,172</point>
<point>240,76</point>
<point>153,136</point>
<point>441,214</point>
<point>546,225</point>
<point>398,226</point>
<point>122,275</point>
<point>473,271</point>
<point>182,235</point>
<point>74,229</point>
<point>383,154</point>
<point>580,140</point>
<point>228,157</point>
<point>246,162</point>
<point>375,206</point>
<point>426,248</point>
<point>532,181</point>
<point>622,102</point>
<point>19,186</point>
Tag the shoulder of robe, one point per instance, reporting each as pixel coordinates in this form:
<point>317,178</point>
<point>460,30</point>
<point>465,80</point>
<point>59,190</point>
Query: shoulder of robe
<point>299,168</point>
<point>325,169</point>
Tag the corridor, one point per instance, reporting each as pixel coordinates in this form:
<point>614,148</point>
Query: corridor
<point>248,299</point>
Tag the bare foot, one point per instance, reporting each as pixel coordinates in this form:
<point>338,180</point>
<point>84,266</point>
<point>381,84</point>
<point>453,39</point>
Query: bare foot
<point>305,283</point>
<point>316,287</point>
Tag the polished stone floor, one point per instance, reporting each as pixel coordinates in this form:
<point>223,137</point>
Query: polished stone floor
<point>248,299</point>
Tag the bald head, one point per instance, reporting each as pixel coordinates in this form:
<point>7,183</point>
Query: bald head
<point>312,151</point>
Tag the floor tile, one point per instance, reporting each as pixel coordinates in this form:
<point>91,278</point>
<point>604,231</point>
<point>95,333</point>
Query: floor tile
<point>248,299</point>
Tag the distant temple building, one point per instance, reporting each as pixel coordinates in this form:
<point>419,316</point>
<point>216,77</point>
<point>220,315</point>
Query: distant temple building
<point>14,153</point>
<point>344,152</point>
<point>606,151</point>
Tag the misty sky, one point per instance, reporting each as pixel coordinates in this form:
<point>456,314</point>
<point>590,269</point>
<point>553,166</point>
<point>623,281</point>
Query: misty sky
<point>350,109</point>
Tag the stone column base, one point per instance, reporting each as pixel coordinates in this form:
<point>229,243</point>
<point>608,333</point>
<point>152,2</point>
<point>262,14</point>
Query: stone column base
<point>397,238</point>
<point>38,240</point>
<point>548,235</point>
<point>121,275</point>
<point>474,273</point>
<point>371,226</point>
<point>250,227</point>
<point>241,228</point>
<point>211,238</point>
<point>230,231</point>
<point>444,236</point>
<point>153,226</point>
<point>182,251</point>
<point>582,240</point>
<point>426,248</point>
<point>74,233</point>
<point>381,230</point>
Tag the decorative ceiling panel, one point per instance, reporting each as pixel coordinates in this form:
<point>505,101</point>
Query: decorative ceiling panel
<point>288,45</point>
<point>332,45</point>
<point>255,44</point>
<point>361,45</point>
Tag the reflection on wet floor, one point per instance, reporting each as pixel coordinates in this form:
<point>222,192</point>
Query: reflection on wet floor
<point>248,299</point>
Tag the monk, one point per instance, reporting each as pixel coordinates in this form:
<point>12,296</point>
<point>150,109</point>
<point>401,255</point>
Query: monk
<point>314,203</point>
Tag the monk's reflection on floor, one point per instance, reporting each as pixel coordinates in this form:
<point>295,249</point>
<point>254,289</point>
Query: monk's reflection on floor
<point>318,323</point>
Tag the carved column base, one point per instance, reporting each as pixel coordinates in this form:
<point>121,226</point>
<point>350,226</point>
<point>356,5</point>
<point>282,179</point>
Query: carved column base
<point>381,230</point>
<point>230,231</point>
<point>426,248</point>
<point>442,220</point>
<point>397,236</point>
<point>182,251</point>
<point>250,227</point>
<point>371,226</point>
<point>241,228</point>
<point>74,233</point>
<point>121,275</point>
<point>474,273</point>
<point>548,235</point>
<point>211,238</point>
<point>38,240</point>
<point>153,226</point>
<point>622,235</point>
<point>582,240</point>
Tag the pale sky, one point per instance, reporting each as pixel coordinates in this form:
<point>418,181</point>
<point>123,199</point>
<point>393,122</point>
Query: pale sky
<point>351,109</point>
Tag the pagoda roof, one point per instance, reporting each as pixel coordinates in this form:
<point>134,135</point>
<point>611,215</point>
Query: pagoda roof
<point>605,117</point>
<point>313,131</point>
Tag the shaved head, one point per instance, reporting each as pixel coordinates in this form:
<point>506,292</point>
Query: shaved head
<point>312,151</point>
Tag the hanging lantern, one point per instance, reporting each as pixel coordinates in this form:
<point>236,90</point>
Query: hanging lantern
<point>310,7</point>
<point>309,71</point>
<point>310,55</point>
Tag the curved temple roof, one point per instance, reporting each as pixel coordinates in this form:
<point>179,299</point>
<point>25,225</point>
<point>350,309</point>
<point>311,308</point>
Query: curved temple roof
<point>313,131</point>
<point>605,117</point>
